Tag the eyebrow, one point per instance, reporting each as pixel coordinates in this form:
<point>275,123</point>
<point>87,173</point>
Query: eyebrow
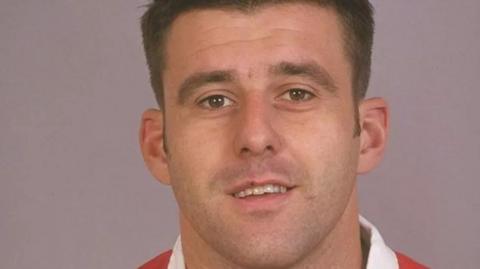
<point>309,70</point>
<point>199,79</point>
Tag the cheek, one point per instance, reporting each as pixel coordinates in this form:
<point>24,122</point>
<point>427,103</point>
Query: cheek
<point>327,150</point>
<point>194,157</point>
<point>319,136</point>
<point>331,174</point>
<point>194,152</point>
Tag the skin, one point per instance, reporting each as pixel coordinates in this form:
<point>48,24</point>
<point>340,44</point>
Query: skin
<point>269,125</point>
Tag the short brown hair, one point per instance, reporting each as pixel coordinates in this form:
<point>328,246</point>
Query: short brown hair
<point>356,17</point>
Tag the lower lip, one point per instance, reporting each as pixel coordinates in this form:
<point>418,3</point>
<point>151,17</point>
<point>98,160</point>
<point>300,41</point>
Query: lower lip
<point>262,203</point>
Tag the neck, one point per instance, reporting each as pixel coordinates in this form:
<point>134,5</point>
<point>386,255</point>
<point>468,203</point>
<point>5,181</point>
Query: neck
<point>342,248</point>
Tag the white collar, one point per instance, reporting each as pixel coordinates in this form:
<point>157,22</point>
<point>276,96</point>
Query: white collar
<point>380,256</point>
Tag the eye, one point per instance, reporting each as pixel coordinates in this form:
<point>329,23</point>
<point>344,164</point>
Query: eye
<point>297,95</point>
<point>215,102</point>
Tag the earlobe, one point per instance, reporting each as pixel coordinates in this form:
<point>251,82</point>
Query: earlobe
<point>374,123</point>
<point>151,138</point>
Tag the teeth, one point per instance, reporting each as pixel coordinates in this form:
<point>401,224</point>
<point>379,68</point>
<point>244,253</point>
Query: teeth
<point>276,188</point>
<point>260,190</point>
<point>268,189</point>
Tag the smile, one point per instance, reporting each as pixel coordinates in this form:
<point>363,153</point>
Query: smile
<point>261,190</point>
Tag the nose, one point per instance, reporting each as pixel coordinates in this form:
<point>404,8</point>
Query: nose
<point>255,133</point>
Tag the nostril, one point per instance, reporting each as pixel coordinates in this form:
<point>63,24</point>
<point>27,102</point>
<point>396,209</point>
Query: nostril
<point>244,150</point>
<point>247,150</point>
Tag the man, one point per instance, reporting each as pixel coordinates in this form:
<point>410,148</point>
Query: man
<point>261,131</point>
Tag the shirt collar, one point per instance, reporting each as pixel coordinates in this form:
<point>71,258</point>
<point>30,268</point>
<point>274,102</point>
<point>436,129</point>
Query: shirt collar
<point>380,256</point>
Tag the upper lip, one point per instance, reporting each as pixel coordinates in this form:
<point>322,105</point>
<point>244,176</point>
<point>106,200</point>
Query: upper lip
<point>252,182</point>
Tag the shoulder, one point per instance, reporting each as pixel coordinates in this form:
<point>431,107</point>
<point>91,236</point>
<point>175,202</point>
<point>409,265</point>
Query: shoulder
<point>159,262</point>
<point>405,262</point>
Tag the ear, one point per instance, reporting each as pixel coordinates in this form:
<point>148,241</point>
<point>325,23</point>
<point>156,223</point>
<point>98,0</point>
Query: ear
<point>151,138</point>
<point>374,123</point>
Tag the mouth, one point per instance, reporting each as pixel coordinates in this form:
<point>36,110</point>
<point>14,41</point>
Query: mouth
<point>261,197</point>
<point>261,190</point>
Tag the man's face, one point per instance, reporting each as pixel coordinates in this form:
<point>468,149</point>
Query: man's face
<point>256,103</point>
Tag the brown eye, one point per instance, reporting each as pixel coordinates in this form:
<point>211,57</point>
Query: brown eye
<point>216,101</point>
<point>297,95</point>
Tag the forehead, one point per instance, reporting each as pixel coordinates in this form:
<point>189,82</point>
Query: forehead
<point>224,38</point>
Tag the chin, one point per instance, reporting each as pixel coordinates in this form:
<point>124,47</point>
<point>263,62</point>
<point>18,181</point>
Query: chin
<point>258,259</point>
<point>272,252</point>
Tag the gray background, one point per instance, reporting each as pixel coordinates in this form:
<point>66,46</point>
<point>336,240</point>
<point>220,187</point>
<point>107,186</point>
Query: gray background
<point>74,192</point>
